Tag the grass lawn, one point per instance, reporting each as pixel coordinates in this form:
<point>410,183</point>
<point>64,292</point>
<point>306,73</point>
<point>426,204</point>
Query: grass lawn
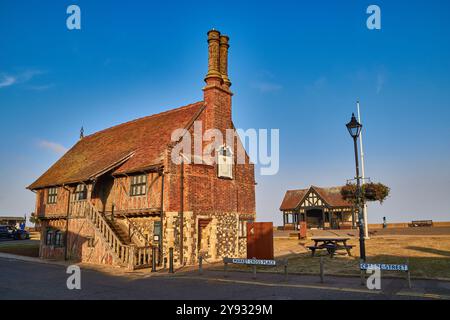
<point>29,248</point>
<point>429,257</point>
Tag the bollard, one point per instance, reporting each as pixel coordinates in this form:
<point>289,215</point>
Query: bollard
<point>153,259</point>
<point>254,271</point>
<point>225,267</point>
<point>321,270</point>
<point>200,265</point>
<point>170,260</point>
<point>408,274</point>
<point>286,270</point>
<point>165,263</point>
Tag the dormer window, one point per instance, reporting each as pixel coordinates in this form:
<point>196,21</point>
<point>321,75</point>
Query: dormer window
<point>225,163</point>
<point>80,193</point>
<point>52,195</point>
<point>138,185</point>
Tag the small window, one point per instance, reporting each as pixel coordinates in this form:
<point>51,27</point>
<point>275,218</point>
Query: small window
<point>91,242</point>
<point>58,239</point>
<point>49,238</point>
<point>225,163</point>
<point>138,185</point>
<point>157,231</point>
<point>242,232</point>
<point>80,193</point>
<point>52,195</point>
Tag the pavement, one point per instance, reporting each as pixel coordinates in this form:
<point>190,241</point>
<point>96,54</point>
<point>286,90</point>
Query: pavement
<point>31,278</point>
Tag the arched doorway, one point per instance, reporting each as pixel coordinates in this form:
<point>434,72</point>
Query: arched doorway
<point>314,218</point>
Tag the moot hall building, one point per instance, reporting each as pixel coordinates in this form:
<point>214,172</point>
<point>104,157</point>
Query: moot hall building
<point>116,194</point>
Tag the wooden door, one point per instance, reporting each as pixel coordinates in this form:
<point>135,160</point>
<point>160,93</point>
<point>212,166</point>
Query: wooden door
<point>260,240</point>
<point>203,235</point>
<point>103,193</point>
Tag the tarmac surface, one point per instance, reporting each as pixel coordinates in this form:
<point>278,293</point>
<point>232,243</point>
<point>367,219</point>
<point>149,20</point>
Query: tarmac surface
<point>28,278</point>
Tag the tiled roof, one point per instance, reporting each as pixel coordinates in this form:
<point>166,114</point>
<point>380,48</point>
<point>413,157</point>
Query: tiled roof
<point>128,147</point>
<point>292,199</point>
<point>332,197</point>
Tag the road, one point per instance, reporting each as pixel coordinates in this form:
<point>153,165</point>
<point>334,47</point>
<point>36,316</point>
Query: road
<point>31,280</point>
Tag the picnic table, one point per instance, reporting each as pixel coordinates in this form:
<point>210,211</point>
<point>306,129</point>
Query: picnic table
<point>331,244</point>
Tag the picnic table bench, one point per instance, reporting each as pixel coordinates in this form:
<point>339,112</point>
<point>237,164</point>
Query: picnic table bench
<point>421,223</point>
<point>331,245</point>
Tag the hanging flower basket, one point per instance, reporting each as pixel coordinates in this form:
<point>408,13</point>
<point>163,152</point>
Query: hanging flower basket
<point>371,192</point>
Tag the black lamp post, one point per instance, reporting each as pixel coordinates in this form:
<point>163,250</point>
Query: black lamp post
<point>354,128</point>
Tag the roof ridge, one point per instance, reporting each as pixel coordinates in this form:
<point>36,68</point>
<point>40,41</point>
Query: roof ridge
<point>144,118</point>
<point>326,188</point>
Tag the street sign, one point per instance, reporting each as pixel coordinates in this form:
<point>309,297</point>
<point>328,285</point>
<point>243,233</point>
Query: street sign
<point>254,262</point>
<point>383,266</point>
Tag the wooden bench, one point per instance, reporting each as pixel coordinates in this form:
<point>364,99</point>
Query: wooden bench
<point>421,223</point>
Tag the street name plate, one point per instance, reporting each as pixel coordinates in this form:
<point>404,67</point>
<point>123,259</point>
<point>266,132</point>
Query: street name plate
<point>383,266</point>
<point>251,261</point>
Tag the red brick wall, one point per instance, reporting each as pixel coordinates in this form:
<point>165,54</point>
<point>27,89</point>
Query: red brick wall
<point>204,192</point>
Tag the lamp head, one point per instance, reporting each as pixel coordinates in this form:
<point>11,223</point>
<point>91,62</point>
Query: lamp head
<point>354,127</point>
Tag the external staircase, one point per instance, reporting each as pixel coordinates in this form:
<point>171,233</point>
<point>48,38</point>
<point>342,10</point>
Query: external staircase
<point>118,242</point>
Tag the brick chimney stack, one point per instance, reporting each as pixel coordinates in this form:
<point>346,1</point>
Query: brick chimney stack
<point>217,94</point>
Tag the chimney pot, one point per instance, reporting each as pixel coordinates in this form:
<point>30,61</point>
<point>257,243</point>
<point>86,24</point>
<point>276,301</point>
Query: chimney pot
<point>223,59</point>
<point>213,56</point>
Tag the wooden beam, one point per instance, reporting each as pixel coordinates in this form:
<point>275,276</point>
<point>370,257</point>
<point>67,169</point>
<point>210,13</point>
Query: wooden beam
<point>323,219</point>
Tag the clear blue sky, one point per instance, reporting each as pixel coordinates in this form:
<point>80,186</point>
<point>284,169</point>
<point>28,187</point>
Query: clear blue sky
<point>296,66</point>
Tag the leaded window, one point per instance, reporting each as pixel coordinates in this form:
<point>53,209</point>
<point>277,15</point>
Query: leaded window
<point>58,239</point>
<point>138,185</point>
<point>242,232</point>
<point>90,242</point>
<point>49,238</point>
<point>52,195</point>
<point>80,193</point>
